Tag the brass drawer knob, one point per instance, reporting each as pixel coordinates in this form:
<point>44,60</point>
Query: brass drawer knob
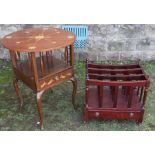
<point>131,114</point>
<point>97,114</point>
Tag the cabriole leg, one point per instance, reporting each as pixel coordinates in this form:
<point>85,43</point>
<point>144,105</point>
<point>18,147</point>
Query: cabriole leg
<point>39,107</point>
<point>74,82</point>
<point>16,87</point>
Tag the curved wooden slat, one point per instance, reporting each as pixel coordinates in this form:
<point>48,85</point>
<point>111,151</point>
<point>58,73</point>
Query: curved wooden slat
<point>116,71</point>
<point>117,77</point>
<point>111,66</point>
<point>116,83</point>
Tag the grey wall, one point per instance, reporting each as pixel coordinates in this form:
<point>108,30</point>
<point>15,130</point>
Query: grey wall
<point>106,42</point>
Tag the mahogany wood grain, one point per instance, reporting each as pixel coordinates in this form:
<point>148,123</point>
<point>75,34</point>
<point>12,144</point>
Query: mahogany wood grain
<point>123,94</point>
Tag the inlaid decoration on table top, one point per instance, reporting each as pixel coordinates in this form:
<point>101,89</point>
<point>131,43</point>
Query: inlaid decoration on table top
<point>38,39</point>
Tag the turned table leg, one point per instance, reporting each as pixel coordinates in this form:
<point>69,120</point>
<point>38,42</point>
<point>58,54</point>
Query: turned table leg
<point>74,82</point>
<point>16,87</point>
<point>39,107</point>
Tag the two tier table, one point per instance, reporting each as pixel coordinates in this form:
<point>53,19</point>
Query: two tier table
<point>115,91</point>
<point>34,63</point>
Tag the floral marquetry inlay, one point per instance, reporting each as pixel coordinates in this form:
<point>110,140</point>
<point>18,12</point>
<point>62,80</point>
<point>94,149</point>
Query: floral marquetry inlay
<point>32,47</point>
<point>62,76</point>
<point>68,74</point>
<point>43,85</point>
<point>39,37</point>
<point>55,79</point>
<point>50,82</point>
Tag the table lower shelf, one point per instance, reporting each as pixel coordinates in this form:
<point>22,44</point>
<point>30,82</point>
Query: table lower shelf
<point>46,66</point>
<point>50,71</point>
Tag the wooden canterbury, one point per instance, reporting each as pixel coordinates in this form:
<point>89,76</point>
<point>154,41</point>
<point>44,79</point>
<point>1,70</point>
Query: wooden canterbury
<point>115,91</point>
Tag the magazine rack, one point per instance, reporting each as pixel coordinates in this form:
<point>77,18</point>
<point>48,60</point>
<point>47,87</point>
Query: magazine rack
<point>115,91</point>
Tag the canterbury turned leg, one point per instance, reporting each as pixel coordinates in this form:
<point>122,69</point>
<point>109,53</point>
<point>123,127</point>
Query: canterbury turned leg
<point>74,82</point>
<point>16,87</point>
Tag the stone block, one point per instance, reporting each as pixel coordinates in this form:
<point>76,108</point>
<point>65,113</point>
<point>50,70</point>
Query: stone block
<point>113,32</point>
<point>149,31</point>
<point>97,30</point>
<point>130,45</point>
<point>115,46</point>
<point>4,54</point>
<point>146,44</point>
<point>9,28</point>
<point>83,56</point>
<point>93,56</point>
<point>149,55</point>
<point>96,43</point>
<point>131,55</point>
<point>104,56</point>
<point>132,30</point>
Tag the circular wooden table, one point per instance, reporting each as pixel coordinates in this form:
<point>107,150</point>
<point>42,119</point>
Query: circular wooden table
<point>32,54</point>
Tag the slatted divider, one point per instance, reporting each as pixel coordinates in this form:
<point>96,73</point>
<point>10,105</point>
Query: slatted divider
<point>131,73</point>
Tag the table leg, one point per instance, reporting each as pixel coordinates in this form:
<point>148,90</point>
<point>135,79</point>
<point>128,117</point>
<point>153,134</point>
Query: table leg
<point>74,82</point>
<point>16,87</point>
<point>39,107</point>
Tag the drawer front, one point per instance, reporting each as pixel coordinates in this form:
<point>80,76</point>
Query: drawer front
<point>55,79</point>
<point>114,115</point>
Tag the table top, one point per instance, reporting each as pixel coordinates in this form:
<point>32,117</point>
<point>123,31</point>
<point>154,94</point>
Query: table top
<point>38,39</point>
